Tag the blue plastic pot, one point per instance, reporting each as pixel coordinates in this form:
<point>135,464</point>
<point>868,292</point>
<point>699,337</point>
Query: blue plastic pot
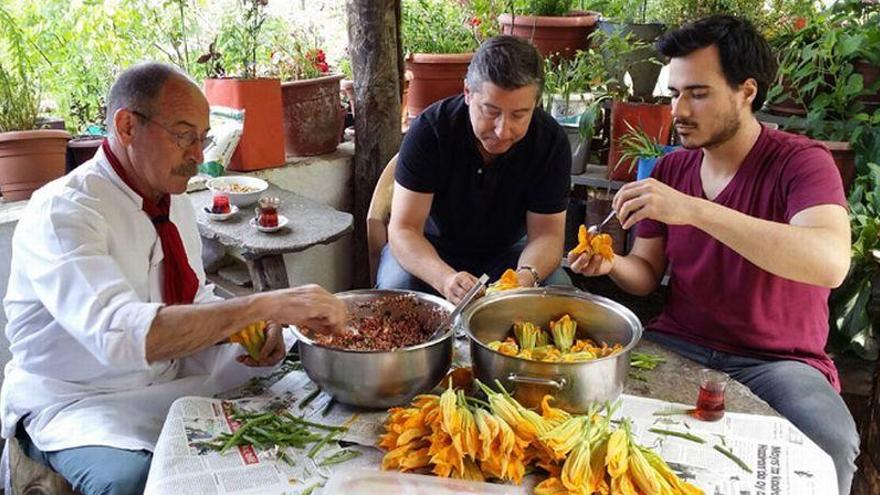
<point>646,165</point>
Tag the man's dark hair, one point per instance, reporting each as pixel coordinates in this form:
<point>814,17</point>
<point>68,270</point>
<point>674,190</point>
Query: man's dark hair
<point>743,51</point>
<point>507,62</point>
<point>138,87</point>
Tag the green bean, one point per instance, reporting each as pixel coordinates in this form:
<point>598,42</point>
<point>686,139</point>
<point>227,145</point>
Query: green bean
<point>730,455</point>
<point>679,434</point>
<point>241,431</point>
<point>340,457</point>
<point>326,410</point>
<point>313,425</point>
<point>321,444</point>
<point>309,398</point>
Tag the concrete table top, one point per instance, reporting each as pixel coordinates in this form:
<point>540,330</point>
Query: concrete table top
<point>678,380</point>
<point>309,223</point>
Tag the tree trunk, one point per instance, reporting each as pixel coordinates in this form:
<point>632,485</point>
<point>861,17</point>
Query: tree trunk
<point>377,62</point>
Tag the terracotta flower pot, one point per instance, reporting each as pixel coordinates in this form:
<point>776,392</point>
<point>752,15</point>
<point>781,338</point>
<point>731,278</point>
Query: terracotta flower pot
<point>564,35</point>
<point>262,140</point>
<point>30,159</point>
<point>656,120</point>
<point>313,115</point>
<point>434,77</point>
<point>81,149</point>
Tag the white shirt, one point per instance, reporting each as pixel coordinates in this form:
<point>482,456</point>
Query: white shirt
<point>84,287</point>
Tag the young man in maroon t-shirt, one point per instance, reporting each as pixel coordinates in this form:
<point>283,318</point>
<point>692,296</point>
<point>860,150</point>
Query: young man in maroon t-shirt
<point>752,225</point>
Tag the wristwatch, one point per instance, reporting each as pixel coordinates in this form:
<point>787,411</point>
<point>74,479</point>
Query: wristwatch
<point>535,276</point>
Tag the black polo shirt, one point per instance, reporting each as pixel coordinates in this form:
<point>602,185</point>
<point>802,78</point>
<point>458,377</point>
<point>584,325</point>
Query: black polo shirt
<point>480,210</point>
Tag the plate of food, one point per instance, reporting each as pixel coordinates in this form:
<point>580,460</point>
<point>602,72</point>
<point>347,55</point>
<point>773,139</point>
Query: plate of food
<point>242,190</point>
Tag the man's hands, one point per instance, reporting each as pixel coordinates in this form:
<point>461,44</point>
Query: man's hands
<point>307,306</point>
<point>591,266</point>
<point>273,350</point>
<point>652,199</point>
<point>456,285</point>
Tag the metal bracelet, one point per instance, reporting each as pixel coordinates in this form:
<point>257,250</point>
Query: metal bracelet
<point>535,276</point>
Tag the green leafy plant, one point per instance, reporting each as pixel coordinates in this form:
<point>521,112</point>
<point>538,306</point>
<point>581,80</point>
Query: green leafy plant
<point>241,44</point>
<point>850,316</point>
<point>607,63</point>
<point>437,26</point>
<point>19,89</point>
<point>297,56</point>
<point>635,144</point>
<point>344,65</point>
<point>543,7</point>
<point>817,71</point>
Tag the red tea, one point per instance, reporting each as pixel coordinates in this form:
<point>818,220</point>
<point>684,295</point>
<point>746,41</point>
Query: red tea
<point>221,204</point>
<point>268,217</point>
<point>710,402</point>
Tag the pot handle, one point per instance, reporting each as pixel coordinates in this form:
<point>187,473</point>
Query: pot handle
<point>559,383</point>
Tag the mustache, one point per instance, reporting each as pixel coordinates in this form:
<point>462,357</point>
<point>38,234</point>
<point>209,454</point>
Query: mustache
<point>185,169</point>
<point>684,122</point>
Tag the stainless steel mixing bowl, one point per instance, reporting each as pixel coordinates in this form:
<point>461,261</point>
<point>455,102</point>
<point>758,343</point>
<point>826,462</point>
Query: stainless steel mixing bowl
<point>381,379</point>
<point>575,385</point>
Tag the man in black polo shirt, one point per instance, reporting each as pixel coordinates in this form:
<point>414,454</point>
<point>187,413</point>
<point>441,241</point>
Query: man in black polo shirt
<point>482,182</point>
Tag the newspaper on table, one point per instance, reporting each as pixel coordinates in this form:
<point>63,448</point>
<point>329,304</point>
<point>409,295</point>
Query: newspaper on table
<point>781,459</point>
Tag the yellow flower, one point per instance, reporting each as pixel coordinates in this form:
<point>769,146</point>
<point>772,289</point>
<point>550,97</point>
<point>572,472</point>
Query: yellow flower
<point>508,347</point>
<point>528,335</point>
<point>251,338</point>
<point>553,415</point>
<point>667,474</point>
<point>551,486</point>
<point>576,470</point>
<point>508,281</point>
<point>590,244</point>
<point>563,438</point>
<point>642,473</point>
<point>563,331</point>
<point>617,458</point>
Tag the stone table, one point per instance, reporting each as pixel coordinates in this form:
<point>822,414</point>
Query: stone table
<point>678,380</point>
<point>309,223</point>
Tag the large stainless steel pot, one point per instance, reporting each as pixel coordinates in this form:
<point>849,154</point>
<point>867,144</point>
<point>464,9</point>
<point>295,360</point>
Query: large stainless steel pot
<point>380,379</point>
<point>575,385</point>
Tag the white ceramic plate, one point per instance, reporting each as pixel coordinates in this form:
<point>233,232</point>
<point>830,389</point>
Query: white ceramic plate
<point>221,217</point>
<point>282,221</point>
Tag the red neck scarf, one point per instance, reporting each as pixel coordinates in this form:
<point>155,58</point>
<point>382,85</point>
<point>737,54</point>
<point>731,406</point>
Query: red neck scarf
<point>180,283</point>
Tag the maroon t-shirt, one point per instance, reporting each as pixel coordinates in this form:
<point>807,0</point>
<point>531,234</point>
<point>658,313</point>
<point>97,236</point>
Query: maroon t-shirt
<point>719,299</point>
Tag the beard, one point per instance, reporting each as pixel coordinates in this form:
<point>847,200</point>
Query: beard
<point>730,125</point>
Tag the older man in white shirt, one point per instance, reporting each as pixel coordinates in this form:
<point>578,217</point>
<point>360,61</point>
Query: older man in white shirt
<point>110,318</point>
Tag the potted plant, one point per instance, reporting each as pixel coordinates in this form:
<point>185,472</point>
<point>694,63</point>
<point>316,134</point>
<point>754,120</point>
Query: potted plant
<point>574,99</point>
<point>232,64</point>
<point>630,19</point>
<point>850,303</point>
<point>29,157</point>
<point>653,118</point>
<point>640,150</point>
<point>313,112</point>
<point>550,25</point>
<point>439,38</point>
<point>818,73</point>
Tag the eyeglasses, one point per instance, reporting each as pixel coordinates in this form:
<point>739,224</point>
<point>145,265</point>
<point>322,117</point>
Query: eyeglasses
<point>183,139</point>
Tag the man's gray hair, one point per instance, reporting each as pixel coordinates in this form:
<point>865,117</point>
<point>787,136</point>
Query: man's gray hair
<point>138,87</point>
<point>507,62</point>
